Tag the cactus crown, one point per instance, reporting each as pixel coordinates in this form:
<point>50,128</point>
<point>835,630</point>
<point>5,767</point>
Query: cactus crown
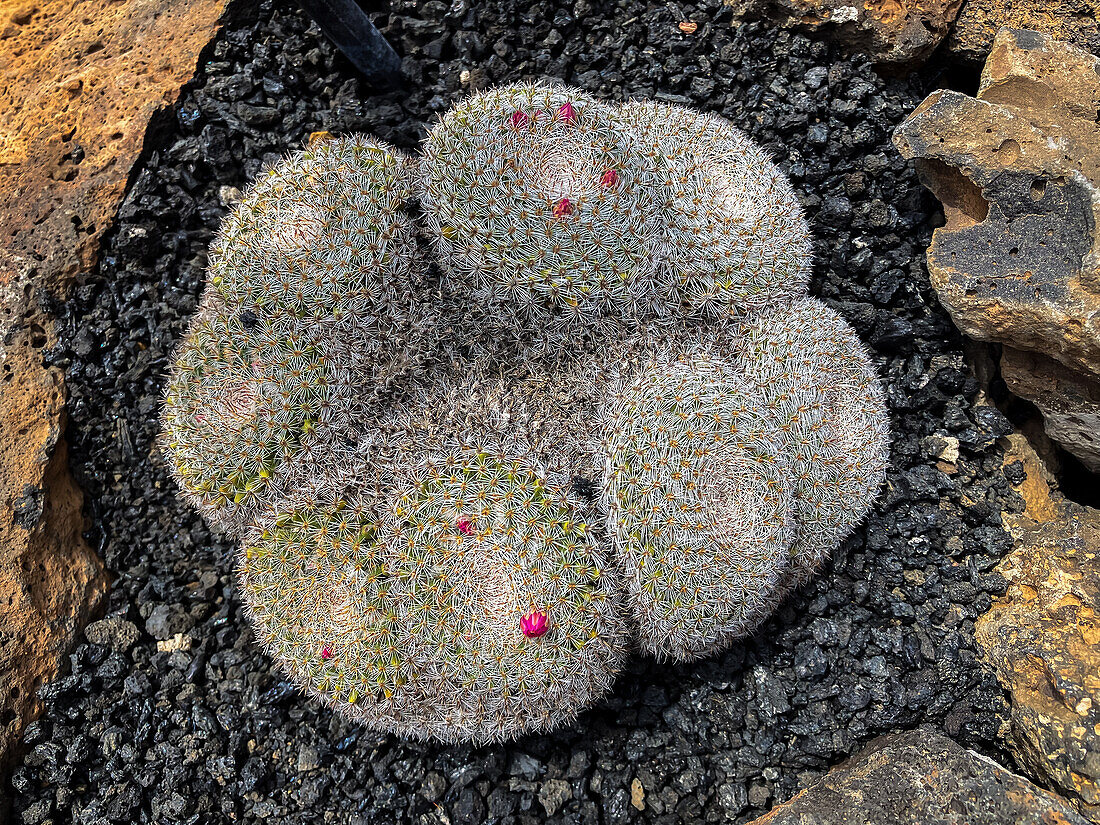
<point>443,544</point>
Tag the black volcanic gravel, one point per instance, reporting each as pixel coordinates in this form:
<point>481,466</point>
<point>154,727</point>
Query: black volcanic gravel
<point>152,726</point>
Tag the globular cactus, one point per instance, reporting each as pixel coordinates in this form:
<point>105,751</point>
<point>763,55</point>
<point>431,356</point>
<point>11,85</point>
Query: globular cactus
<point>532,198</point>
<point>807,367</point>
<point>543,198</point>
<point>321,234</point>
<point>669,472</point>
<point>243,401</point>
<point>698,506</point>
<point>476,608</point>
<point>730,236</point>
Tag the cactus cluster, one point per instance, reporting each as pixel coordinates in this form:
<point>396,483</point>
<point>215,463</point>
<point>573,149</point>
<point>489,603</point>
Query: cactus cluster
<point>484,419</point>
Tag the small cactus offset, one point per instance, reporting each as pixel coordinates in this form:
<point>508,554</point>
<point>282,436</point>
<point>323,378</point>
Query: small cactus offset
<point>454,517</point>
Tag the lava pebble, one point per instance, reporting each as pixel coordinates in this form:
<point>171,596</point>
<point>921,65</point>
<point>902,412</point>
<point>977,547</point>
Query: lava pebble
<point>202,728</point>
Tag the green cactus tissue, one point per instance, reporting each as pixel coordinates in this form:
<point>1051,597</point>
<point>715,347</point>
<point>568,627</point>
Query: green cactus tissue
<point>484,420</point>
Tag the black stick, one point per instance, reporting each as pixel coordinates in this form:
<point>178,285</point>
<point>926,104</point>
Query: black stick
<point>355,35</point>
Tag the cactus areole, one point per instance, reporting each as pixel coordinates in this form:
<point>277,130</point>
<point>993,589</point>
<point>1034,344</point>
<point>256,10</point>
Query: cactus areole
<point>415,550</point>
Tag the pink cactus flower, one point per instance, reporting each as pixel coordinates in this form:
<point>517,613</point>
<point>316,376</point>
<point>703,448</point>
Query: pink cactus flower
<point>567,113</point>
<point>326,652</point>
<point>563,208</point>
<point>519,120</point>
<point>534,624</point>
<point>465,526</point>
<point>610,178</point>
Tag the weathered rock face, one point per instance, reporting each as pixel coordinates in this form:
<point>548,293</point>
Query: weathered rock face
<point>1043,637</point>
<point>922,778</point>
<point>892,31</point>
<point>1073,21</point>
<point>79,82</point>
<point>1018,262</point>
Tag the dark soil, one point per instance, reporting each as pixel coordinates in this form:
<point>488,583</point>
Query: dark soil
<point>881,641</point>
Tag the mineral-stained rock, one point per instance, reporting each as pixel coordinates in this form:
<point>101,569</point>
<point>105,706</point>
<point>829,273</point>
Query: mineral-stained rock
<point>891,31</point>
<point>79,82</point>
<point>1074,21</point>
<point>1043,637</point>
<point>921,778</point>
<point>1070,405</point>
<point>1018,262</point>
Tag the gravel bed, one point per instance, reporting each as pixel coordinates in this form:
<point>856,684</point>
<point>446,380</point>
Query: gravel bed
<point>172,714</point>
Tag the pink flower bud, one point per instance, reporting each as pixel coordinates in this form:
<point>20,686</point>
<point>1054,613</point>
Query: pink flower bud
<point>610,178</point>
<point>567,113</point>
<point>326,652</point>
<point>563,208</point>
<point>533,624</point>
<point>519,120</point>
<point>465,526</point>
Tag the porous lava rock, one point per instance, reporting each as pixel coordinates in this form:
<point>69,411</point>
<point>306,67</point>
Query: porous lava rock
<point>1073,21</point>
<point>1018,262</point>
<point>891,31</point>
<point>921,777</point>
<point>1042,638</point>
<point>79,84</point>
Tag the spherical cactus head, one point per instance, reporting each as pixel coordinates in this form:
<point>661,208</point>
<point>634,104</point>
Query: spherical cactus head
<point>808,369</point>
<point>731,237</point>
<point>697,506</point>
<point>321,232</point>
<point>242,401</point>
<point>477,609</point>
<point>531,194</point>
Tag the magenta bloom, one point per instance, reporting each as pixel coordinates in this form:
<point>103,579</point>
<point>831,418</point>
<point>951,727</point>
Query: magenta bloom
<point>610,178</point>
<point>326,652</point>
<point>534,624</point>
<point>562,208</point>
<point>519,120</point>
<point>567,113</point>
<point>465,526</point>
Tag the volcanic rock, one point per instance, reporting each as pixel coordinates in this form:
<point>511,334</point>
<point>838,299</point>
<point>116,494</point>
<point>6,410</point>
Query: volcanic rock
<point>1073,21</point>
<point>79,85</point>
<point>1042,638</point>
<point>1018,171</point>
<point>922,778</point>
<point>891,31</point>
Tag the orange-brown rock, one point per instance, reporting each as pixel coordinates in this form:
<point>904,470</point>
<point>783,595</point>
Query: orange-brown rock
<point>921,778</point>
<point>1018,171</point>
<point>1074,21</point>
<point>891,31</point>
<point>1042,638</point>
<point>80,81</point>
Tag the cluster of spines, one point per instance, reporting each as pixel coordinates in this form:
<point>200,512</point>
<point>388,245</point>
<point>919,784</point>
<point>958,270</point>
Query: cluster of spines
<point>242,400</point>
<point>697,504</point>
<point>543,201</point>
<point>730,480</point>
<point>807,367</point>
<point>320,234</point>
<point>477,605</point>
<point>567,208</point>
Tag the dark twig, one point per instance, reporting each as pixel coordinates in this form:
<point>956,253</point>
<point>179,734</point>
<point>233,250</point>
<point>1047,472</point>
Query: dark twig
<point>356,36</point>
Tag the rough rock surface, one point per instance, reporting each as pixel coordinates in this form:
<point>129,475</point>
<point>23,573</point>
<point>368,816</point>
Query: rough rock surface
<point>891,31</point>
<point>905,32</point>
<point>79,84</point>
<point>1018,262</point>
<point>202,727</point>
<point>1074,21</point>
<point>1042,638</point>
<point>922,778</point>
